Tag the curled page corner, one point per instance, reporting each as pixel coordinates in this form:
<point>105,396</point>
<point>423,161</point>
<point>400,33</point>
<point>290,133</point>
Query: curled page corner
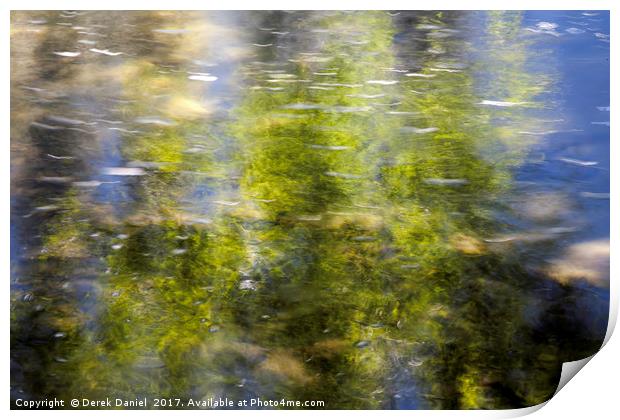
<point>611,322</point>
<point>569,370</point>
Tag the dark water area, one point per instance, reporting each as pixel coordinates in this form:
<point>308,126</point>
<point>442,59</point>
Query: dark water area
<point>378,210</point>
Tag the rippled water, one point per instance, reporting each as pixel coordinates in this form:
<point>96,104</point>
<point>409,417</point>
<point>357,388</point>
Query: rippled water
<point>377,210</point>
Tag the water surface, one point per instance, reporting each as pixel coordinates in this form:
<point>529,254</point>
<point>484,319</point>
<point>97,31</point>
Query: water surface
<point>372,209</point>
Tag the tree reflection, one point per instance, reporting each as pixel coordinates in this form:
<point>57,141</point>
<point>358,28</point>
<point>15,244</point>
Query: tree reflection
<point>327,240</point>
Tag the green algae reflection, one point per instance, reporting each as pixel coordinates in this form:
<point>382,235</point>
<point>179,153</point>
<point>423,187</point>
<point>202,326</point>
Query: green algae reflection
<point>314,230</point>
